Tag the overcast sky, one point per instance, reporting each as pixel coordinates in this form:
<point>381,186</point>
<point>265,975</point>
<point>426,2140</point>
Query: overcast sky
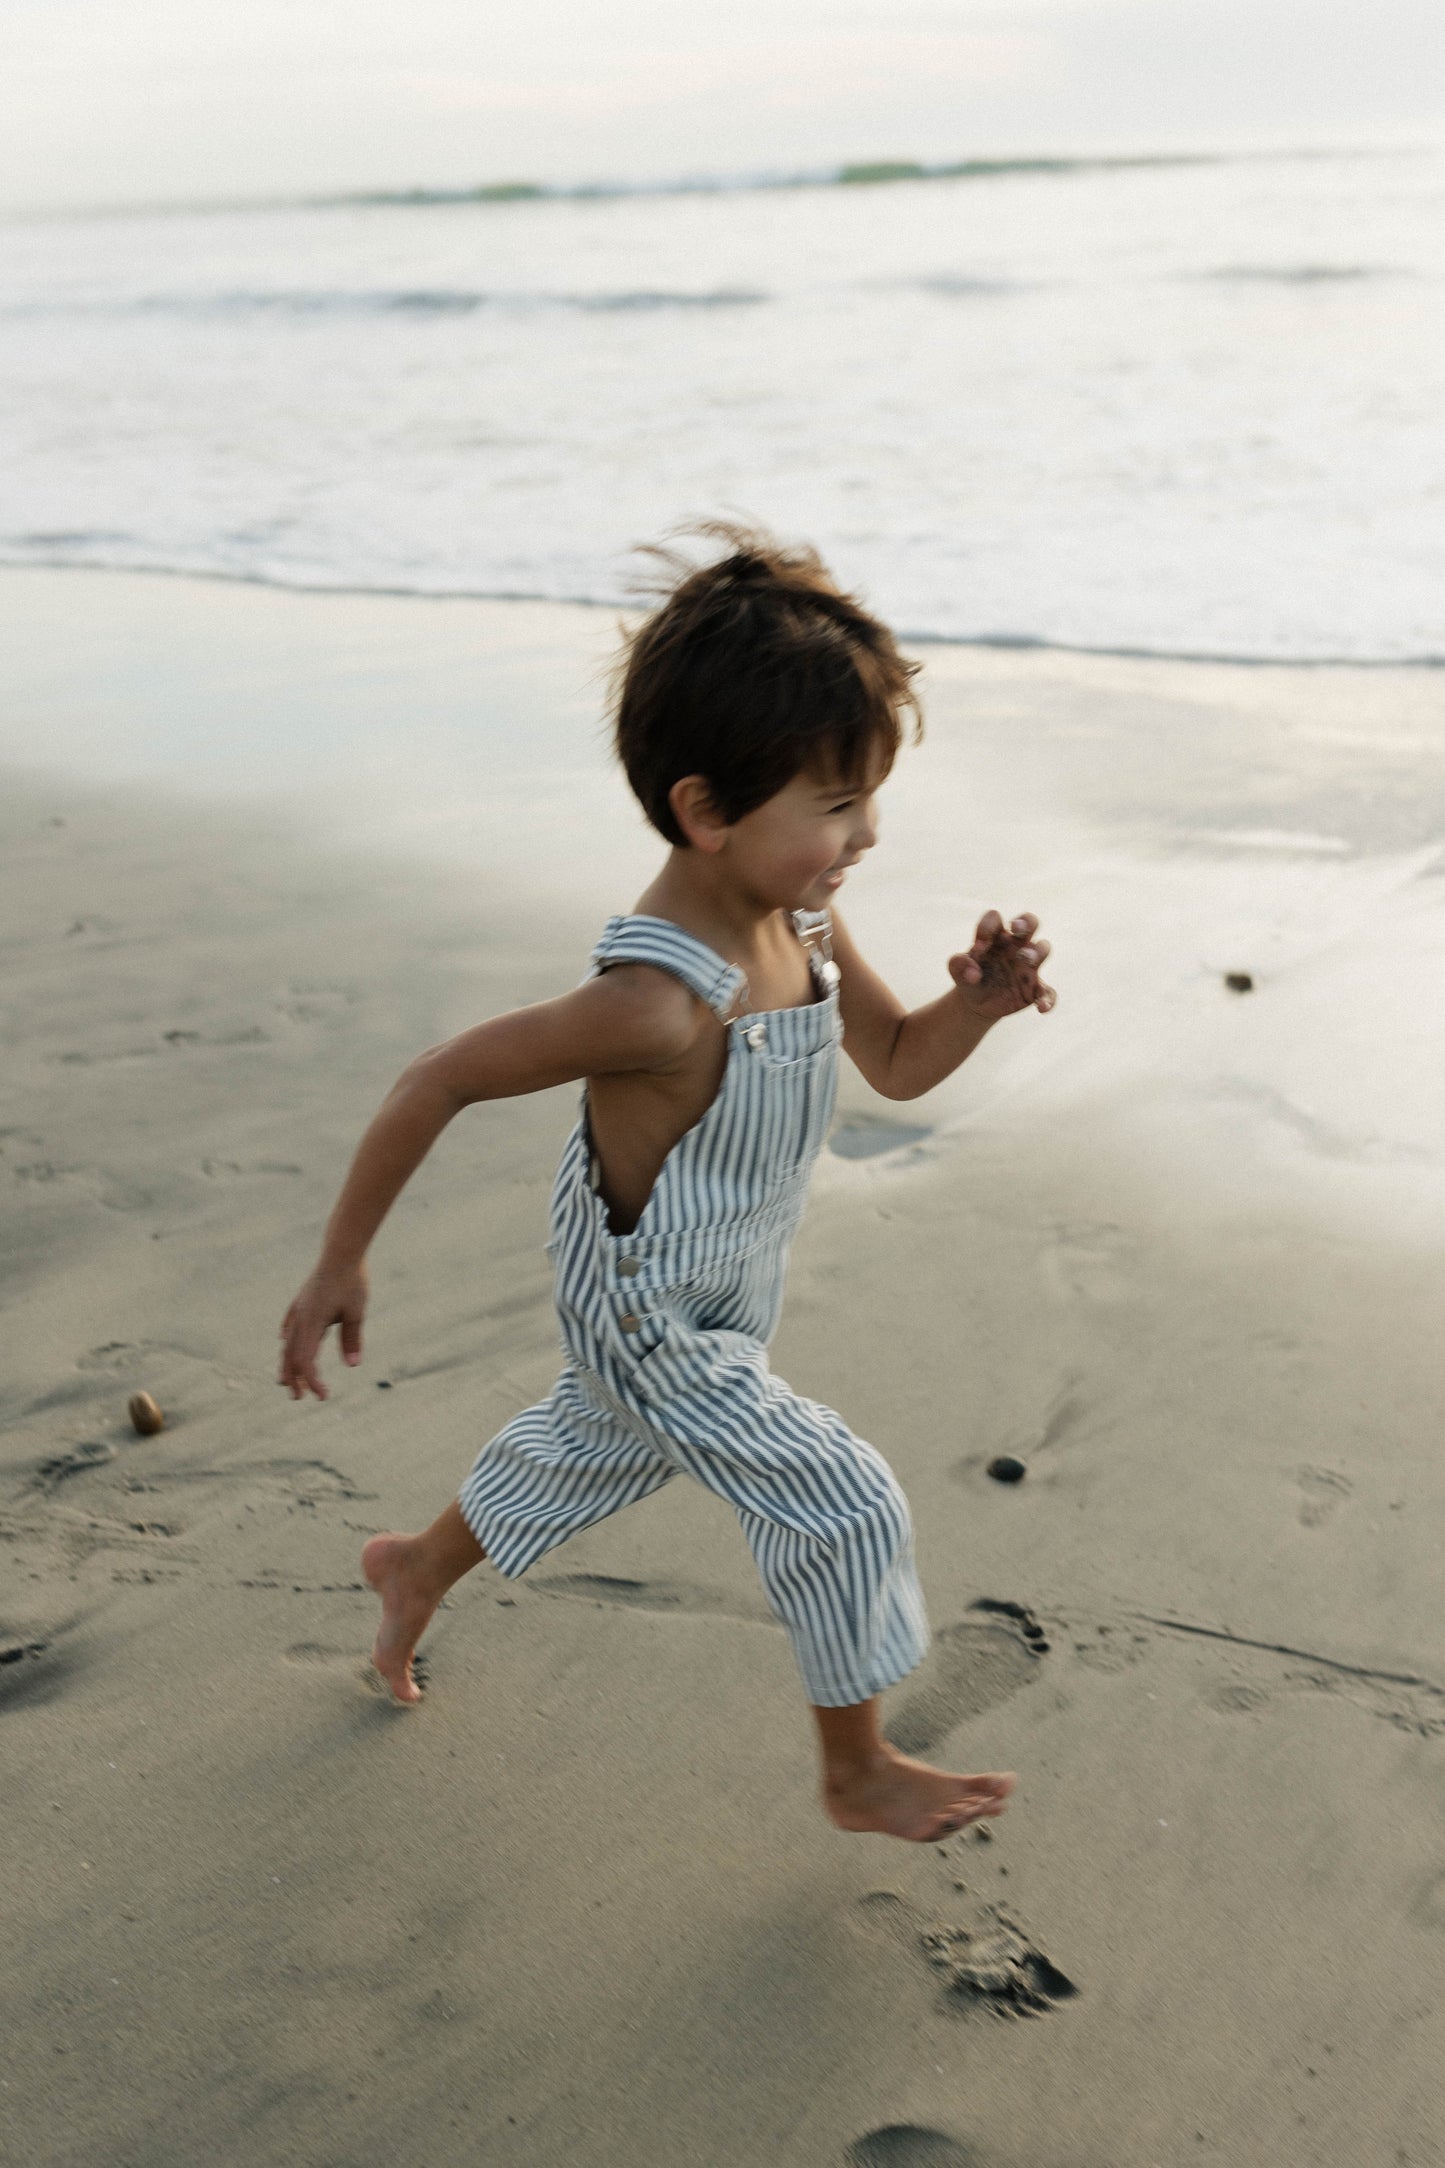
<point>115,101</point>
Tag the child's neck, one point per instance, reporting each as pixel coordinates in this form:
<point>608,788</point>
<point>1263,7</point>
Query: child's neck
<point>700,893</point>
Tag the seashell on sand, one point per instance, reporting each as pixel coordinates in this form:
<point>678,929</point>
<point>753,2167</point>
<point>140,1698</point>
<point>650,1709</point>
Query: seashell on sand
<point>145,1415</point>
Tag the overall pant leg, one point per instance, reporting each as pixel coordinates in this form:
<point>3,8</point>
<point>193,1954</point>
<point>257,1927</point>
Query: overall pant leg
<point>824,1515</point>
<point>556,1468</point>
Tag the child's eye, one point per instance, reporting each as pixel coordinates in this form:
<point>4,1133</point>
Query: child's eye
<point>844,807</point>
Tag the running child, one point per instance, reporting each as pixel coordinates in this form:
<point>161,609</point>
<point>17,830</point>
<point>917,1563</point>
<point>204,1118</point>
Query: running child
<point>758,711</point>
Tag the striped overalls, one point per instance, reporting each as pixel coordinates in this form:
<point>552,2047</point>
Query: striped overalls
<point>665,1331</point>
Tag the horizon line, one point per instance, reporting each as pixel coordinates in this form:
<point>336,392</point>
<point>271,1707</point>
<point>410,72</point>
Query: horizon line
<point>849,173</point>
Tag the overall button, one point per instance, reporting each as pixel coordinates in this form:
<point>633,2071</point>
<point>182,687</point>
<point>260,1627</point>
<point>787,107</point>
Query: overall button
<point>629,1323</point>
<point>756,1035</point>
<point>628,1267</point>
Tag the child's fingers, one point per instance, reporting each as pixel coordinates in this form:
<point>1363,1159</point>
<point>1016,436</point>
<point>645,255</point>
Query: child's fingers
<point>299,1373</point>
<point>1045,998</point>
<point>306,1377</point>
<point>1025,926</point>
<point>351,1339</point>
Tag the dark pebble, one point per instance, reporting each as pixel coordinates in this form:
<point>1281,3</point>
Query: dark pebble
<point>1006,1469</point>
<point>383,1385</point>
<point>1239,982</point>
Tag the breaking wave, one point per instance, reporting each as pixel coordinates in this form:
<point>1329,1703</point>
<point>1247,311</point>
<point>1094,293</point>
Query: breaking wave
<point>392,301</point>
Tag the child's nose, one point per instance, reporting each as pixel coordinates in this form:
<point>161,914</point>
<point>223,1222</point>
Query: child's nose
<point>865,831</point>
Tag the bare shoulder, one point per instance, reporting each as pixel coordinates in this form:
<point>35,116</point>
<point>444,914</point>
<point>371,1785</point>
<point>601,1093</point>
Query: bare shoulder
<point>647,1017</point>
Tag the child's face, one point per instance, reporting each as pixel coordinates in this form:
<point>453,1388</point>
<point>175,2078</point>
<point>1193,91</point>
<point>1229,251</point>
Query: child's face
<point>794,850</point>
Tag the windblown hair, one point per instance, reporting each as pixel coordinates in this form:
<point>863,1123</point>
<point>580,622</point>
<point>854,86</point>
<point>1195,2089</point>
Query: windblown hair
<point>751,669</point>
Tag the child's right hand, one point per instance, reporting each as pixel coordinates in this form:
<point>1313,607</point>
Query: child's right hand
<point>326,1299</point>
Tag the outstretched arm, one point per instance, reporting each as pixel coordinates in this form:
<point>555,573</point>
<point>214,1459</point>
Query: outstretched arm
<point>904,1053</point>
<point>630,1018</point>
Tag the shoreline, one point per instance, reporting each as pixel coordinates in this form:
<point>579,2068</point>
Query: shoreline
<point>582,1905</point>
<point>1007,643</point>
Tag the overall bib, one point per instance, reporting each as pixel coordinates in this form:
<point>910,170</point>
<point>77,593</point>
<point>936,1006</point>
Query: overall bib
<point>666,1331</point>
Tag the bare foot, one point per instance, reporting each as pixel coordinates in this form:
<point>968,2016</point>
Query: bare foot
<point>897,1797</point>
<point>392,1565</point>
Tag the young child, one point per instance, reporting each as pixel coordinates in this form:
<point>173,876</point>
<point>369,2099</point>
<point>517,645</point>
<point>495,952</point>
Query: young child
<point>758,711</point>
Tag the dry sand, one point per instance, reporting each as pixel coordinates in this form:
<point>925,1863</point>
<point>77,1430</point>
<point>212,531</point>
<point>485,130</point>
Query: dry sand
<point>1177,1249</point>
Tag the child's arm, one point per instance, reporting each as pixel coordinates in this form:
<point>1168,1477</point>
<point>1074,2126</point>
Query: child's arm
<point>628,1019</point>
<point>905,1053</point>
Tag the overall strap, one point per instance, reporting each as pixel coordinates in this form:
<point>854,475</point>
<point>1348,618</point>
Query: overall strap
<point>815,930</point>
<point>657,941</point>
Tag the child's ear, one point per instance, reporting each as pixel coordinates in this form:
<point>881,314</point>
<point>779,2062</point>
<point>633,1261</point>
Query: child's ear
<point>696,813</point>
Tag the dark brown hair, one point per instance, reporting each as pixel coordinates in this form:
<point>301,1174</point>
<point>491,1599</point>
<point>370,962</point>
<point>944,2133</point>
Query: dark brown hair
<point>753,668</point>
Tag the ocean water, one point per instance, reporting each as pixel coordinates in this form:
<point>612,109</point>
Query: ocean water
<point>1181,407</point>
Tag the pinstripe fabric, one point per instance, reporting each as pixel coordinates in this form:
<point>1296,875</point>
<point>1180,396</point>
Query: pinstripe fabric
<point>665,1332</point>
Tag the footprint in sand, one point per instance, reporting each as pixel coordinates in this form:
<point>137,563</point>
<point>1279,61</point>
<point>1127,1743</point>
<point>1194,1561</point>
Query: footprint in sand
<point>1113,1649</point>
<point>34,1667</point>
<point>1406,1699</point>
<point>75,1460</point>
<point>993,1966</point>
<point>1086,1259</point>
<point>94,1182</point>
<point>676,1596</point>
<point>111,1355</point>
<point>79,1058</point>
<point>307,1482</point>
<point>985,1961</point>
<point>1412,1705</point>
<point>317,1001</point>
<point>16,1649</point>
<point>1322,1490</point>
<point>230,1170</point>
<point>134,1358</point>
<point>971,1667</point>
<point>868,1136</point>
<point>1233,1699</point>
<point>909,2145</point>
<point>349,1663</point>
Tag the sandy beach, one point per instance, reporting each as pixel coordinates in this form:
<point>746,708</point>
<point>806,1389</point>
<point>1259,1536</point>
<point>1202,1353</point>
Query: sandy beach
<point>1177,1248</point>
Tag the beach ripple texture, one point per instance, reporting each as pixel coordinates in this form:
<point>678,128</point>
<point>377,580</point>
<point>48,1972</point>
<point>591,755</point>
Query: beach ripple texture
<point>1182,407</point>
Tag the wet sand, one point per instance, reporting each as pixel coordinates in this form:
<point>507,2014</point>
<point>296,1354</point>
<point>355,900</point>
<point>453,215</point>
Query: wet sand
<point>1175,1248</point>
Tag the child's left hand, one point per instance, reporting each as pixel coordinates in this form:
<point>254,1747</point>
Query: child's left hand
<point>999,975</point>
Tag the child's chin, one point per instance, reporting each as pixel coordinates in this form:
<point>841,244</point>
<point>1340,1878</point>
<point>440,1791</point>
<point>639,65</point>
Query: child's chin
<point>817,894</point>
